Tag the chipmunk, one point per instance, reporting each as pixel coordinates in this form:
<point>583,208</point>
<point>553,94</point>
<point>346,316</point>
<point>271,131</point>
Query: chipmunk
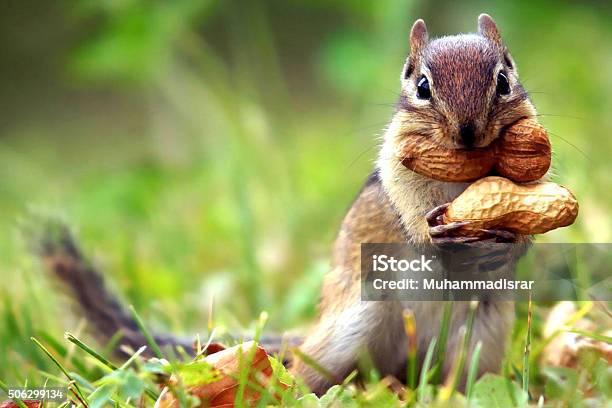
<point>459,90</point>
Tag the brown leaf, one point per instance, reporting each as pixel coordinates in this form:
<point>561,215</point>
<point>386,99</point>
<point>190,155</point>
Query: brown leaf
<point>223,393</point>
<point>13,404</point>
<point>214,348</point>
<point>565,348</point>
<point>396,386</point>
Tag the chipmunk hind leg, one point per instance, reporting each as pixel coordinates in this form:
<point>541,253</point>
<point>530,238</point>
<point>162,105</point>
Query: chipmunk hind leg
<point>339,339</point>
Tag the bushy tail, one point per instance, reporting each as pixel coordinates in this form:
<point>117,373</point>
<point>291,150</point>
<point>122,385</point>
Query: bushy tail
<point>54,243</point>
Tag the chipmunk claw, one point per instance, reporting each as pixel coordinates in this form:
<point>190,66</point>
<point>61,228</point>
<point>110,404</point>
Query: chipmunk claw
<point>451,241</point>
<point>433,217</point>
<point>441,233</point>
<point>443,229</point>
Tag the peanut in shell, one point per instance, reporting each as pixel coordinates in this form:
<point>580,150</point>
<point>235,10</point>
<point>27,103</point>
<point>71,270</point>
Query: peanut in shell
<point>498,203</point>
<point>522,153</point>
<point>443,164</point>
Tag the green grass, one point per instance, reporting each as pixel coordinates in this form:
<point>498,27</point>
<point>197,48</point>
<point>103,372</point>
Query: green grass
<point>98,382</point>
<point>208,162</point>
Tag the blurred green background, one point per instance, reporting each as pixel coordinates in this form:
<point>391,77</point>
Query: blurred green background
<point>210,148</point>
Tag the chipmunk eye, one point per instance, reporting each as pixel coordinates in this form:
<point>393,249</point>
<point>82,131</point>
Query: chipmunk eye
<point>423,91</point>
<point>503,86</point>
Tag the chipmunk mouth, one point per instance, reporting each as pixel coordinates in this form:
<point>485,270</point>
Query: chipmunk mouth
<point>467,136</point>
<point>525,140</point>
<point>470,138</point>
<point>498,129</point>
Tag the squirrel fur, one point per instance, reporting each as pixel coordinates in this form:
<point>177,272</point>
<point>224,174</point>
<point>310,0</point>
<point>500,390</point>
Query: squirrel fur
<point>392,207</point>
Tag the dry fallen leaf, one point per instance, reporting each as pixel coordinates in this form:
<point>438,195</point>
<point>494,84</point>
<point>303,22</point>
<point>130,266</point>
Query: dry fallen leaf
<point>565,347</point>
<point>28,403</point>
<point>396,386</point>
<point>228,362</point>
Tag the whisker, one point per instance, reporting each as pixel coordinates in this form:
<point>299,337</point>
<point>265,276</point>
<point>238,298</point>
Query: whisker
<point>572,145</point>
<point>360,155</point>
<point>383,104</point>
<point>397,165</point>
<point>391,91</point>
<point>358,130</point>
<point>559,116</point>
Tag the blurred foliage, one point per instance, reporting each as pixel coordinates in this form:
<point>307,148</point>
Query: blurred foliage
<point>209,149</point>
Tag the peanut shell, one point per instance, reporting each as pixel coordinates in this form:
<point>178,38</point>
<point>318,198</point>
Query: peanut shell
<point>498,203</point>
<point>522,153</point>
<point>443,164</point>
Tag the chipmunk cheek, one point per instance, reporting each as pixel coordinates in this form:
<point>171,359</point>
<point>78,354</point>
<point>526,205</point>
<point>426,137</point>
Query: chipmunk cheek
<point>492,132</point>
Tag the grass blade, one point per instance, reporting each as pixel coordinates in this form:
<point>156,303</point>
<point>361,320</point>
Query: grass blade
<point>133,357</point>
<point>55,345</point>
<point>311,362</point>
<point>19,402</point>
<point>147,335</point>
<point>458,365</point>
<point>425,369</point>
<point>473,370</point>
<point>343,386</point>
<point>74,340</point>
<point>71,338</point>
<point>595,336</point>
<point>440,352</point>
<point>527,350</point>
<point>78,391</point>
<point>245,363</point>
<point>410,329</point>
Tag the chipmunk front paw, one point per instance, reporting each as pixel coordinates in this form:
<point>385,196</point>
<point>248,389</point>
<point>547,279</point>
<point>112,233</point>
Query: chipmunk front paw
<point>447,234</point>
<point>486,250</point>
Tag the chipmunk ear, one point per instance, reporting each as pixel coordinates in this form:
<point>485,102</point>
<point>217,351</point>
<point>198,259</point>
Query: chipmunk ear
<point>487,28</point>
<point>418,37</point>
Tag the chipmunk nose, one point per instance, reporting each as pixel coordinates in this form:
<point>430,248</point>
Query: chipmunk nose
<point>467,135</point>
